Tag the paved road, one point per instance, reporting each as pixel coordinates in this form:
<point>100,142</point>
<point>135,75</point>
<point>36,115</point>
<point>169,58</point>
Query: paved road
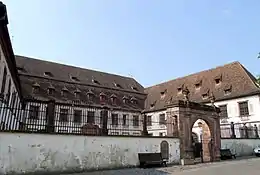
<point>239,167</point>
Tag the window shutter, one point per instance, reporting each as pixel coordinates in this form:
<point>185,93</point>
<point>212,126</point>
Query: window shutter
<point>251,109</point>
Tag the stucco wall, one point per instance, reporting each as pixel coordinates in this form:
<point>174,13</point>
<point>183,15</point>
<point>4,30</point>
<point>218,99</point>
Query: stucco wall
<point>241,147</point>
<point>38,153</point>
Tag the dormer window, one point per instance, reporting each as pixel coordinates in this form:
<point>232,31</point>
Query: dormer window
<point>198,85</point>
<point>227,90</point>
<point>125,99</point>
<point>95,81</point>
<point>134,100</point>
<point>117,85</point>
<point>218,80</point>
<point>21,69</point>
<point>113,98</point>
<point>153,104</point>
<point>134,88</point>
<point>64,92</point>
<point>179,89</point>
<point>48,74</point>
<point>77,93</point>
<point>205,96</point>
<point>90,95</point>
<point>163,93</point>
<point>102,97</point>
<point>51,90</point>
<point>73,78</point>
<point>36,87</point>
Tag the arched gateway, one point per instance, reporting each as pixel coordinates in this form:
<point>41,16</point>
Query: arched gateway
<point>184,114</point>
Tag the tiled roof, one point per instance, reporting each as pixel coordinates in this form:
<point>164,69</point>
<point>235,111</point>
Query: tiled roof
<point>58,76</point>
<point>234,81</point>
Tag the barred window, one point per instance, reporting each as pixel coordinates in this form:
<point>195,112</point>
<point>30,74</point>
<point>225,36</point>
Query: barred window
<point>77,116</point>
<point>243,108</point>
<point>115,119</point>
<point>63,115</point>
<point>34,112</point>
<point>91,117</point>
<point>162,120</point>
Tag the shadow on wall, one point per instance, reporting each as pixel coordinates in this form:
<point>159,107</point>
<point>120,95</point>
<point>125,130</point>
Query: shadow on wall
<point>240,147</point>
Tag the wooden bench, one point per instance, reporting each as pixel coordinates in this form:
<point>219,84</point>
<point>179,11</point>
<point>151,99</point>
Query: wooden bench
<point>226,154</point>
<point>146,159</point>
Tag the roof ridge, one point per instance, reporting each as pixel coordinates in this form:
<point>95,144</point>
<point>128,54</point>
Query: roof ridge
<point>72,66</point>
<point>192,74</point>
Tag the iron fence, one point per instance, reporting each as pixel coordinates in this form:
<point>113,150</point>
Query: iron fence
<point>60,118</point>
<point>240,130</point>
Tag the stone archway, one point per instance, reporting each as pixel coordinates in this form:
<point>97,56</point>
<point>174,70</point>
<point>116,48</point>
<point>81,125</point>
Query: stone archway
<point>188,114</point>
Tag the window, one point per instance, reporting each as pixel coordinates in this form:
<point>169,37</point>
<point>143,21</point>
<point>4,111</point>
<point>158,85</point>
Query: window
<point>133,100</point>
<point>218,79</point>
<point>179,90</point>
<point>13,99</point>
<point>162,120</point>
<point>162,134</point>
<point>125,120</point>
<point>74,78</point>
<point>77,94</point>
<point>113,98</point>
<point>48,74</point>
<point>205,96</point>
<point>90,95</point>
<point>64,92</point>
<point>125,133</point>
<point>223,111</point>
<point>36,87</point>
<point>34,112</point>
<point>125,99</point>
<point>115,119</point>
<point>91,117</point>
<point>149,120</point>
<point>51,90</point>
<point>243,108</point>
<point>95,81</point>
<point>4,81</point>
<point>63,115</point>
<point>135,120</point>
<point>227,90</point>
<point>163,93</point>
<point>118,85</point>
<point>77,116</point>
<point>102,97</point>
<point>134,88</point>
<point>198,84</point>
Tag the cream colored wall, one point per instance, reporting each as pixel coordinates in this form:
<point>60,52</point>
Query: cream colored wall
<point>24,153</point>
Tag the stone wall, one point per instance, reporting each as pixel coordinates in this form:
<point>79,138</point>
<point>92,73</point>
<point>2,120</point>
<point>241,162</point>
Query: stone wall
<point>24,153</point>
<point>241,147</point>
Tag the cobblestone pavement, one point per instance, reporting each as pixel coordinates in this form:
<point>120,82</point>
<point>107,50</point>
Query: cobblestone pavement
<point>238,167</point>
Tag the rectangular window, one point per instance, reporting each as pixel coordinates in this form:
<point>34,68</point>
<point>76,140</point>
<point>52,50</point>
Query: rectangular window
<point>91,117</point>
<point>34,112</point>
<point>162,119</point>
<point>4,81</point>
<point>223,111</point>
<point>125,120</point>
<point>149,120</point>
<point>135,120</point>
<point>77,116</point>
<point>115,119</point>
<point>64,115</point>
<point>243,108</point>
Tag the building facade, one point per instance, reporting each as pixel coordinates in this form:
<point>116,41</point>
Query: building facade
<point>79,96</point>
<point>234,88</point>
<point>10,92</point>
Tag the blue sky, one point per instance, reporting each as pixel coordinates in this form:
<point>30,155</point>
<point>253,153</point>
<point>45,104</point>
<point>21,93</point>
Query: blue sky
<point>150,40</point>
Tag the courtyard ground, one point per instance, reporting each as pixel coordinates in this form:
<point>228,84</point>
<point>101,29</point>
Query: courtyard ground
<point>237,167</point>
